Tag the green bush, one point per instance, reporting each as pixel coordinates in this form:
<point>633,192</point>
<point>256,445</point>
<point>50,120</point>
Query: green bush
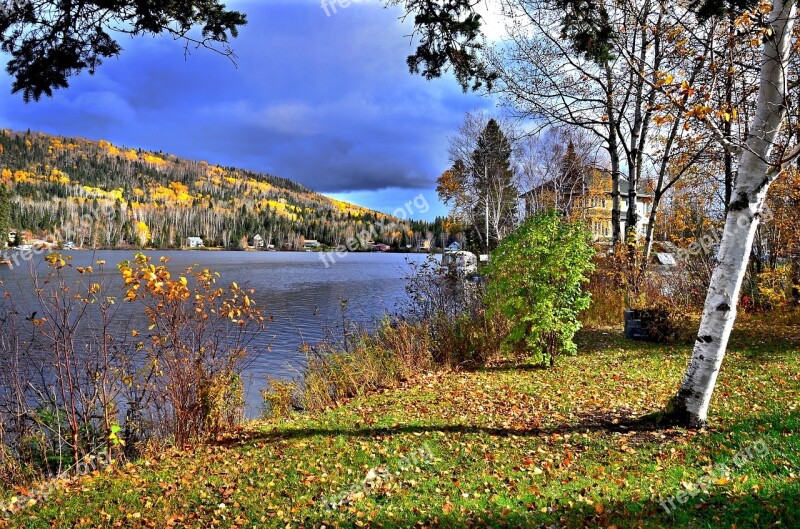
<point>536,279</point>
<point>278,397</point>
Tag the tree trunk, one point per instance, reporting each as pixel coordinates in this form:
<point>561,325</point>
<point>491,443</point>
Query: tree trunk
<point>650,231</point>
<point>754,177</point>
<point>613,154</point>
<point>727,127</point>
<point>638,134</point>
<point>486,179</point>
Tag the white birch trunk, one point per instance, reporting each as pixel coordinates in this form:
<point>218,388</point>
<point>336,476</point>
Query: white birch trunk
<point>755,175</point>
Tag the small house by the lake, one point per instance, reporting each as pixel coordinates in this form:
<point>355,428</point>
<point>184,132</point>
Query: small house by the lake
<point>311,244</point>
<point>258,242</point>
<point>195,242</point>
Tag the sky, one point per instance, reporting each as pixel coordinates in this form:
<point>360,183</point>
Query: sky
<point>322,99</point>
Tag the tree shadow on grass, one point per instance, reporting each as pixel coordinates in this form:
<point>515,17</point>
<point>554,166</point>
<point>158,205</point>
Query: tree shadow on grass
<point>509,366</point>
<point>644,428</point>
<point>772,504</point>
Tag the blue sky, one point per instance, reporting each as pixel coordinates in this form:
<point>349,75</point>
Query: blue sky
<point>323,100</point>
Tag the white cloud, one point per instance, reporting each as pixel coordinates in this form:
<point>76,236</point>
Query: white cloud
<point>493,27</point>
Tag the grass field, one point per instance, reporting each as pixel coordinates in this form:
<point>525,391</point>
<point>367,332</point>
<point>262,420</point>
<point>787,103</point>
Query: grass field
<point>507,446</point>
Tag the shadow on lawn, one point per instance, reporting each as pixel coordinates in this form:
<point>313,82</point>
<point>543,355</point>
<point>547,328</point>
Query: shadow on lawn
<point>645,428</point>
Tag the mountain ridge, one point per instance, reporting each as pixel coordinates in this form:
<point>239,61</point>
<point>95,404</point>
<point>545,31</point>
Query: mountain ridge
<point>98,194</point>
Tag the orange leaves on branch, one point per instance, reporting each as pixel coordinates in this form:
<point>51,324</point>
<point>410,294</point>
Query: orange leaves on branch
<point>199,336</point>
<point>449,184</point>
<point>664,79</point>
<point>699,111</point>
<point>661,120</point>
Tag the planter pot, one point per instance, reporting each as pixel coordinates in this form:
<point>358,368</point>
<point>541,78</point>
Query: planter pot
<point>647,324</point>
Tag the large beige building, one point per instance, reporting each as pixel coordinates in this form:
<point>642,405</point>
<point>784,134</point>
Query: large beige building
<point>589,199</point>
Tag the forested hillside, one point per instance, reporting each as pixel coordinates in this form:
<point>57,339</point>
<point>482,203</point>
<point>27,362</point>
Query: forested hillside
<point>100,195</point>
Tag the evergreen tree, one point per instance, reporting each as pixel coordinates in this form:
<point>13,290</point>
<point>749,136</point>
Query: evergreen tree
<point>572,179</point>
<point>491,164</point>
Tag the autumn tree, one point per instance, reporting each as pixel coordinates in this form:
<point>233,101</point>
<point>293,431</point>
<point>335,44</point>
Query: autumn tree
<point>782,233</point>
<point>766,147</point>
<point>49,42</point>
<point>480,187</point>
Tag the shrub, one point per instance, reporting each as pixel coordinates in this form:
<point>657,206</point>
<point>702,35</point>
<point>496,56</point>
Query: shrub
<point>450,306</point>
<point>608,294</point>
<point>278,397</point>
<point>72,371</point>
<point>222,401</point>
<point>536,278</point>
<point>197,345</point>
<point>443,323</point>
<point>369,361</point>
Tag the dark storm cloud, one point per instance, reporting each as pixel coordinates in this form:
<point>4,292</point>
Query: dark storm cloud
<point>326,101</point>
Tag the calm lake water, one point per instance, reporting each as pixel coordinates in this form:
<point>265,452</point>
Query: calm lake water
<point>295,288</point>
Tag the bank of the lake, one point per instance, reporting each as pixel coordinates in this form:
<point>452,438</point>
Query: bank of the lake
<point>506,446</point>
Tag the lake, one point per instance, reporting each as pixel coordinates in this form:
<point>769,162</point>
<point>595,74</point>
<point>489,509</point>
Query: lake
<point>301,294</point>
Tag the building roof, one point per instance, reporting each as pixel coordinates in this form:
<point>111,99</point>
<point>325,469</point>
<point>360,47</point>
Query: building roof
<point>574,187</point>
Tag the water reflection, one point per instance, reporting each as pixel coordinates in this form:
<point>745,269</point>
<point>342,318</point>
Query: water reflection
<point>302,296</point>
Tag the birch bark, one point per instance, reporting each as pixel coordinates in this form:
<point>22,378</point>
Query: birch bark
<point>756,173</point>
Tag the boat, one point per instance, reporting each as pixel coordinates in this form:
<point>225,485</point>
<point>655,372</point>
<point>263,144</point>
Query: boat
<point>459,262</point>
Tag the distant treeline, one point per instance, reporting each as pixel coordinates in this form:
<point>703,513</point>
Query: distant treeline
<point>100,195</point>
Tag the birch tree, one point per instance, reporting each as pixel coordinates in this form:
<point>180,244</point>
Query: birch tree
<point>760,160</point>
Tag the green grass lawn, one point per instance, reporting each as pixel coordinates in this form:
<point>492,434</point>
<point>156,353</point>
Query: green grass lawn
<point>509,446</point>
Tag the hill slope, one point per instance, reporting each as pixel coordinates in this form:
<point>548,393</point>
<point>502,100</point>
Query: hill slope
<point>97,194</point>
